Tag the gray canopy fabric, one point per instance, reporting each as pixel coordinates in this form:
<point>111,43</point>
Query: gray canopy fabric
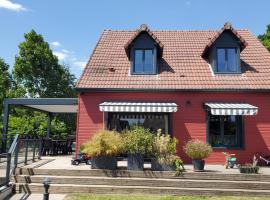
<point>137,107</point>
<point>232,109</point>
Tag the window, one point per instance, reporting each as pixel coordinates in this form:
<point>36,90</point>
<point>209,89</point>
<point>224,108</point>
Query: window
<point>144,61</point>
<point>152,121</point>
<point>225,131</point>
<point>227,60</point>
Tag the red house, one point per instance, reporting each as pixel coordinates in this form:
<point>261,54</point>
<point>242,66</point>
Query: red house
<point>205,84</point>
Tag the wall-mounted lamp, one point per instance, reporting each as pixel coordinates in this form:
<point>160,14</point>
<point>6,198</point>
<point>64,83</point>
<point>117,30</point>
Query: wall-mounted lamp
<point>188,103</point>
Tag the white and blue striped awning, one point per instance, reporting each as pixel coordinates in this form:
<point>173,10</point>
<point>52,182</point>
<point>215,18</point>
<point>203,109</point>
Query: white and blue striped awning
<point>137,107</point>
<point>232,109</point>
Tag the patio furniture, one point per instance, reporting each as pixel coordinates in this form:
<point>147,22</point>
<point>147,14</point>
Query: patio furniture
<point>57,147</point>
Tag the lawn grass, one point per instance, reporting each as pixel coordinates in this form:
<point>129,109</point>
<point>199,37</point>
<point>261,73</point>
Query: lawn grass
<point>155,197</point>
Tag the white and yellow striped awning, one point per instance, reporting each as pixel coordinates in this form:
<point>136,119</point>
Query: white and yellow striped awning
<point>137,107</point>
<point>232,109</point>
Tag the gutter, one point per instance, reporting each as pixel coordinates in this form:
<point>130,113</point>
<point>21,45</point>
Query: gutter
<point>82,90</point>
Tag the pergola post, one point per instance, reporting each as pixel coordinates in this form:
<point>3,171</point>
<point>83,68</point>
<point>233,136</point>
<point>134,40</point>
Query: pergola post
<point>49,125</point>
<point>5,127</point>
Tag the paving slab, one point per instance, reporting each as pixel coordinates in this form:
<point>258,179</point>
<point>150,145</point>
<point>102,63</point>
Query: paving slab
<point>64,162</point>
<point>37,197</point>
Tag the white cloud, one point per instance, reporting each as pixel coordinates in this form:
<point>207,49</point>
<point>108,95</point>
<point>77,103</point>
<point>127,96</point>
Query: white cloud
<point>61,55</point>
<point>65,51</point>
<point>68,57</point>
<point>80,64</point>
<point>7,4</point>
<point>55,43</point>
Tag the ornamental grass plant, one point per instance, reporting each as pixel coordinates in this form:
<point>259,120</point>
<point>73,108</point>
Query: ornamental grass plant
<point>197,149</point>
<point>164,147</point>
<point>164,151</point>
<point>104,143</point>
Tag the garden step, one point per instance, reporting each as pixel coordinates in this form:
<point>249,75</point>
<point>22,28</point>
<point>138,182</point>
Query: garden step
<point>107,189</point>
<point>156,182</point>
<point>144,174</point>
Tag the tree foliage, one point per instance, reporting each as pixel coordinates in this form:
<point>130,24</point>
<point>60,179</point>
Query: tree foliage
<point>5,80</point>
<point>265,38</point>
<point>27,122</point>
<point>37,70</point>
<point>5,83</point>
<point>37,73</point>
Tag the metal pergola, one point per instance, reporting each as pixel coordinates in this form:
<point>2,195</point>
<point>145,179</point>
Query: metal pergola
<point>45,105</point>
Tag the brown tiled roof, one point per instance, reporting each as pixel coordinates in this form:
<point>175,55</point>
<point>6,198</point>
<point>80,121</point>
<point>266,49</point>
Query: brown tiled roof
<point>181,66</point>
<point>144,28</point>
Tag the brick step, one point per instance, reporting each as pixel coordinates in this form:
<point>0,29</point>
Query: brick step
<point>155,182</point>
<point>108,189</point>
<point>144,174</point>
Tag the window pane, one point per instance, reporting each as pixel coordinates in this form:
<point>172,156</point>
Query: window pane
<point>138,61</point>
<point>215,130</point>
<point>231,60</point>
<point>230,133</point>
<point>221,60</point>
<point>121,121</point>
<point>148,61</point>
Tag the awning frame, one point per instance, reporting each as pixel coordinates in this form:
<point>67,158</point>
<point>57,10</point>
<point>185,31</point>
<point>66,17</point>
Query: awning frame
<point>230,108</point>
<point>113,106</point>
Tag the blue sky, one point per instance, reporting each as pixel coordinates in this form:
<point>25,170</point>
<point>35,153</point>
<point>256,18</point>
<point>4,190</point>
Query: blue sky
<point>72,27</point>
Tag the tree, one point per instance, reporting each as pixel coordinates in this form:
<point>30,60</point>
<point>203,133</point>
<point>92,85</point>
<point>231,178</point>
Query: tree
<point>37,73</point>
<point>37,70</point>
<point>265,38</point>
<point>5,83</point>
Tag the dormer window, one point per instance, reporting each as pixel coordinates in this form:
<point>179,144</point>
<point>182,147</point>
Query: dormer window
<point>144,61</point>
<point>144,51</point>
<point>227,60</point>
<point>223,51</point>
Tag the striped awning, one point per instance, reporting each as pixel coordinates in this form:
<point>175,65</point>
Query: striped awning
<point>232,109</point>
<point>137,107</point>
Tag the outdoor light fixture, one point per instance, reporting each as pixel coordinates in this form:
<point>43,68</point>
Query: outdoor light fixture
<point>188,103</point>
<point>46,184</point>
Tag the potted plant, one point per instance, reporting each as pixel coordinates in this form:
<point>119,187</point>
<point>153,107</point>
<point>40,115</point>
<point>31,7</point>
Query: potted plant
<point>103,148</point>
<point>197,150</point>
<point>137,144</point>
<point>164,153</point>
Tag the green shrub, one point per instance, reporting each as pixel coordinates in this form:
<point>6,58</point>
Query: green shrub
<point>104,143</point>
<point>197,149</point>
<point>139,140</point>
<point>179,166</point>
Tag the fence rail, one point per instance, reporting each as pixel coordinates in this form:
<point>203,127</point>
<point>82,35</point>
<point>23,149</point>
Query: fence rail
<point>6,142</point>
<point>21,151</point>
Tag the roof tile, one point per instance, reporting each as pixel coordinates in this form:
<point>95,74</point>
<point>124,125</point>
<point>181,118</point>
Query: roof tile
<point>181,66</point>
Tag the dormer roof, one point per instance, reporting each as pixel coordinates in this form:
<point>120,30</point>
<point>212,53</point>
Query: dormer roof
<point>144,29</point>
<point>227,27</point>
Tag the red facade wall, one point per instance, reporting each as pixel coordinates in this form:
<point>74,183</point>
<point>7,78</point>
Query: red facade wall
<point>189,121</point>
